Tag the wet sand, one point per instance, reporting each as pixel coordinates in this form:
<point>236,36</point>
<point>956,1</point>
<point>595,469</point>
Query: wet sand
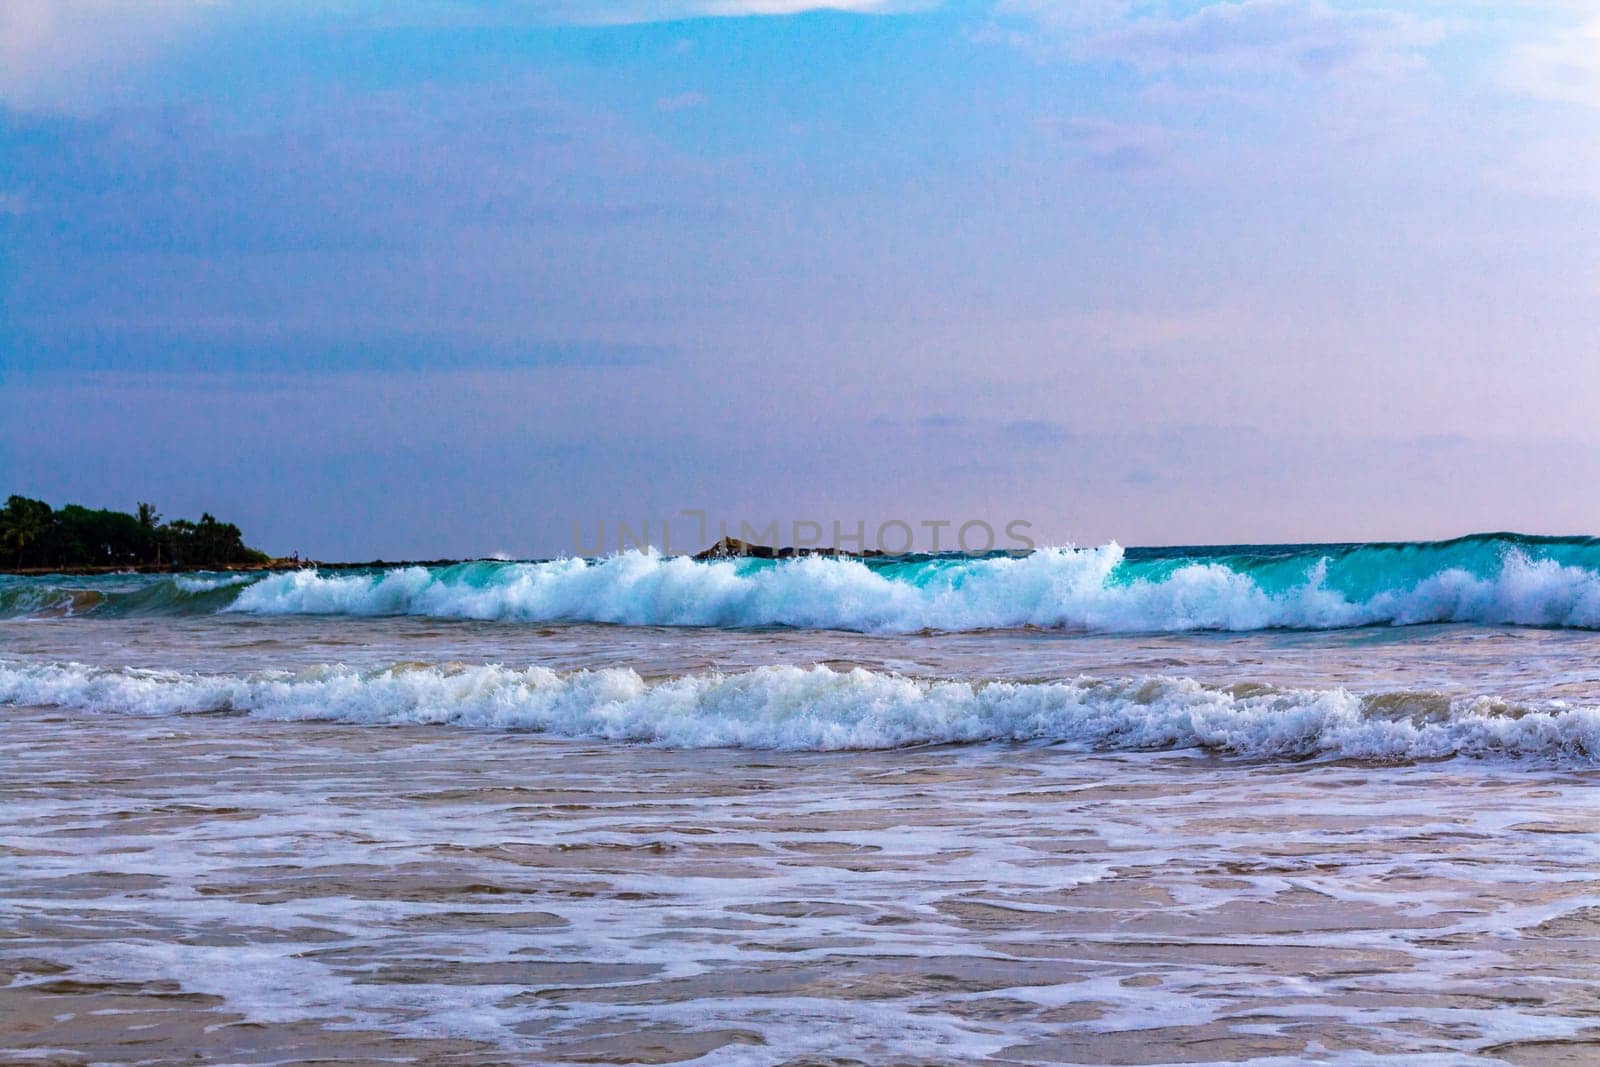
<point>219,889</point>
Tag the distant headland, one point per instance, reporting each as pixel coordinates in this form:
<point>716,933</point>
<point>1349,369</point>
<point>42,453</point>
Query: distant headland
<point>37,537</point>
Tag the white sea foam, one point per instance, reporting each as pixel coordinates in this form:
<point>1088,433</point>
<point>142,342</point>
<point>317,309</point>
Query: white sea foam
<point>1058,587</point>
<point>821,709</point>
<point>194,583</point>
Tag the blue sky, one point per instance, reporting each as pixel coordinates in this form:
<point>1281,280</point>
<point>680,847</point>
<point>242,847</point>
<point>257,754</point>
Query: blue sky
<point>408,279</point>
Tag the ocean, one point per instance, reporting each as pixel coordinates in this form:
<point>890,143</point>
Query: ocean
<point>1268,804</point>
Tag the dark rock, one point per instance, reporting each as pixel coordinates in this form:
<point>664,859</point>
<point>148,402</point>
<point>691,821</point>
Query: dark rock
<point>734,548</point>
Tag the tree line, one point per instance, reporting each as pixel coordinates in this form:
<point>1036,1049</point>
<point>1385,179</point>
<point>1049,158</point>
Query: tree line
<point>33,534</point>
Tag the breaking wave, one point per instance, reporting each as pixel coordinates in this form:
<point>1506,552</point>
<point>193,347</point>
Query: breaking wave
<point>1499,579</point>
<point>819,709</point>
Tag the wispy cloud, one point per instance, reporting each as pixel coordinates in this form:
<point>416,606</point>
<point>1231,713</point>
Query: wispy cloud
<point>680,102</point>
<point>1311,38</point>
<point>341,173</point>
<point>1553,166</point>
<point>791,7</point>
<point>1562,158</point>
<point>599,12</point>
<point>252,350</point>
<point>1035,433</point>
<point>1114,147</point>
<point>1308,37</point>
<point>1565,69</point>
<point>71,53</point>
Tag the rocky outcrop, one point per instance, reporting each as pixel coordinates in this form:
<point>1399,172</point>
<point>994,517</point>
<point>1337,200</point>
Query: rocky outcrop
<point>735,548</point>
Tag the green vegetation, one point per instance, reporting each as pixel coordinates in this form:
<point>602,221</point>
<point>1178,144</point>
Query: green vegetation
<point>33,534</point>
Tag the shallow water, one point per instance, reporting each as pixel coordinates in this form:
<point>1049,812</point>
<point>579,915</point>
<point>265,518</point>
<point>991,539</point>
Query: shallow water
<point>272,892</point>
<point>246,838</point>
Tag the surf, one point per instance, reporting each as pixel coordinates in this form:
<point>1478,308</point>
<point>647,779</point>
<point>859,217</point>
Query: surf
<point>1491,579</point>
<point>818,709</point>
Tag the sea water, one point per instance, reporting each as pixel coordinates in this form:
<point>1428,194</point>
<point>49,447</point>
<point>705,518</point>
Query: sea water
<point>1270,804</point>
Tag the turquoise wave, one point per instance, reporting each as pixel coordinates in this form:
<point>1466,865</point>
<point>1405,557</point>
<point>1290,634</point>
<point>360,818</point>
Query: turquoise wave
<point>1487,579</point>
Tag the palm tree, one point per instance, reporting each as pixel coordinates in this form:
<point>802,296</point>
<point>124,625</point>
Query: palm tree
<point>149,521</point>
<point>22,523</point>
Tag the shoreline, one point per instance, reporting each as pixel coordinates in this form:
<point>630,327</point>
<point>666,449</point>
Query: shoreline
<point>229,568</point>
<point>726,548</point>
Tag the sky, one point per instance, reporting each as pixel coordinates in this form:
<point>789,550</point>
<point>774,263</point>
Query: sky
<point>413,280</point>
